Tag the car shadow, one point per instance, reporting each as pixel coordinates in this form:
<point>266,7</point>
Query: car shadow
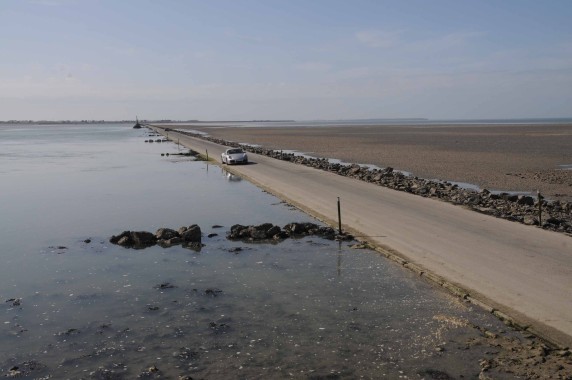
<point>248,163</point>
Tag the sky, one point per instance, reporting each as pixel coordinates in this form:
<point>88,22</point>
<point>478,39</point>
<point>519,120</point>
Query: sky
<point>288,59</point>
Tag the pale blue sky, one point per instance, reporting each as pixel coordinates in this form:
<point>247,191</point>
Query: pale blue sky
<point>229,60</point>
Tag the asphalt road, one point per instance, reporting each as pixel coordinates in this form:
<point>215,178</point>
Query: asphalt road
<point>523,271</point>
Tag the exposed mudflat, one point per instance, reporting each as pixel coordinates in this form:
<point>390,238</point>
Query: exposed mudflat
<point>497,157</point>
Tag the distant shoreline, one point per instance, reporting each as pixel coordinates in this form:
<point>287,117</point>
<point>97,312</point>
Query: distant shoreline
<point>316,122</point>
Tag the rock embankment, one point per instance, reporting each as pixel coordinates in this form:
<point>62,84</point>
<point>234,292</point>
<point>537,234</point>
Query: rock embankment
<point>270,232</point>
<point>190,237</point>
<point>555,215</point>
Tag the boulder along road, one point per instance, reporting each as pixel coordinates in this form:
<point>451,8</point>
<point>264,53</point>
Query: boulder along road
<point>521,273</point>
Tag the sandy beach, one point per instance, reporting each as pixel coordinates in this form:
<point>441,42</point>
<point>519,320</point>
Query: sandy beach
<point>496,157</point>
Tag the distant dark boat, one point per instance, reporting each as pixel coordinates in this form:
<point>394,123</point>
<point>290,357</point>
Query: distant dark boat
<point>137,125</point>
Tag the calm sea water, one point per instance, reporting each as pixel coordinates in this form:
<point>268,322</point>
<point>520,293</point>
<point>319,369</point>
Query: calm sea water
<point>306,308</point>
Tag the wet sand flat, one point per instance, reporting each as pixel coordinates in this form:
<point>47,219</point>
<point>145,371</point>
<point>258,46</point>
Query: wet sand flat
<point>497,157</point>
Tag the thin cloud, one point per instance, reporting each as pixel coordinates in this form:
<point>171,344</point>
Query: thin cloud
<point>313,66</point>
<point>378,38</point>
<point>52,3</point>
<point>445,42</point>
<point>245,37</point>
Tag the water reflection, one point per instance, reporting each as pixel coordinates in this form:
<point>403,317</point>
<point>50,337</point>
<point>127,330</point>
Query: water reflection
<point>339,258</point>
<point>230,176</point>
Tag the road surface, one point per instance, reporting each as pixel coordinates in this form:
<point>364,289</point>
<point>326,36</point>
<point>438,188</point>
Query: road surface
<point>522,271</point>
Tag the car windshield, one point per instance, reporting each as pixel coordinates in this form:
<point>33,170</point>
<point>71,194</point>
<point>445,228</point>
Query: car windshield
<point>234,151</point>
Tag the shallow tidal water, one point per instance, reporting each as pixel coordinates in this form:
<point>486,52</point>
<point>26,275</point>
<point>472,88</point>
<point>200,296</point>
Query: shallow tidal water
<point>75,306</point>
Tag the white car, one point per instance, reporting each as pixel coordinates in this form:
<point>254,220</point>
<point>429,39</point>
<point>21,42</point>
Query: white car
<point>234,156</point>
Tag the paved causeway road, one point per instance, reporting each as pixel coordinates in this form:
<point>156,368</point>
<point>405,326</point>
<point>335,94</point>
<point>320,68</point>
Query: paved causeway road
<point>523,271</point>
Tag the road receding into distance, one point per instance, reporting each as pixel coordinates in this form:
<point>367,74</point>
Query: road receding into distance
<point>522,272</point>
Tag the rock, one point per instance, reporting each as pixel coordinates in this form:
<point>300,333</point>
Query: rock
<point>327,233</point>
<point>530,220</point>
<point>512,198</point>
<point>261,232</point>
<point>213,292</point>
<point>134,239</point>
<point>344,237</point>
<point>273,231</point>
<point>143,239</point>
<point>300,228</point>
<point>554,221</point>
<point>170,242</point>
<point>257,232</point>
<point>166,234</point>
<point>165,285</point>
<point>218,328</point>
<point>236,232</point>
<point>525,200</point>
<point>211,235</point>
<point>280,236</point>
<point>125,241</point>
<point>354,169</point>
<point>192,234</point>
<point>26,369</point>
<point>15,301</point>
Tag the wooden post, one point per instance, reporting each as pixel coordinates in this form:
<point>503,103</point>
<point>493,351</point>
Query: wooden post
<point>339,217</point>
<point>540,198</point>
<point>207,154</point>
